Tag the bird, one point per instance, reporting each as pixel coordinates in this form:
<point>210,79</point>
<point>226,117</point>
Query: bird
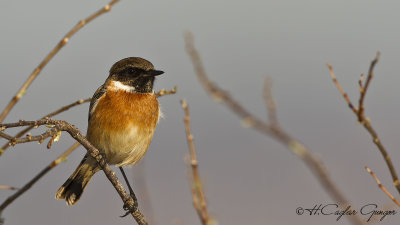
<point>123,115</point>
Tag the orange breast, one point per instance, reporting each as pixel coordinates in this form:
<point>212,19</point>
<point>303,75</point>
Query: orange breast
<point>122,125</point>
<point>117,108</point>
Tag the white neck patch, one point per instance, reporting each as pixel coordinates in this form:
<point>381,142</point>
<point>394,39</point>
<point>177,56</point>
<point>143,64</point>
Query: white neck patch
<point>116,86</point>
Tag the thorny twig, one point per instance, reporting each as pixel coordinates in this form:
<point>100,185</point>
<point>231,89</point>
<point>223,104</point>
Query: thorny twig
<point>314,164</point>
<point>366,121</point>
<point>60,125</point>
<point>21,92</point>
<point>199,200</point>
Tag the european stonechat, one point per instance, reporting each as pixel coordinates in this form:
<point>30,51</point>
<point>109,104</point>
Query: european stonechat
<point>123,115</point>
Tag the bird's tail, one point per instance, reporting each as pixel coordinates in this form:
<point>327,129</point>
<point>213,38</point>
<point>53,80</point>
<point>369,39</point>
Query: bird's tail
<point>72,189</point>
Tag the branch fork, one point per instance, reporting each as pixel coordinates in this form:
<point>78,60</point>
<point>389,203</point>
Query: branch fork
<point>365,121</point>
<point>60,125</point>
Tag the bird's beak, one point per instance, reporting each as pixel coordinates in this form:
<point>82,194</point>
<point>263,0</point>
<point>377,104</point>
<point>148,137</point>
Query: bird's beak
<point>153,73</point>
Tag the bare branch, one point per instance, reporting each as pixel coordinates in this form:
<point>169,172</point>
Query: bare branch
<point>222,96</point>
<point>60,125</point>
<point>58,111</point>
<point>315,165</point>
<point>382,187</point>
<point>39,138</point>
<point>21,92</point>
<point>366,121</point>
<point>27,186</point>
<point>199,200</point>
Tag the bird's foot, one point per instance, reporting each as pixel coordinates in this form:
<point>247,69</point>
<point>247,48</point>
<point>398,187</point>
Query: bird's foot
<point>126,207</point>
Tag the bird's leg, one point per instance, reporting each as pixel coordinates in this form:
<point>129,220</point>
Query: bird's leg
<point>132,194</point>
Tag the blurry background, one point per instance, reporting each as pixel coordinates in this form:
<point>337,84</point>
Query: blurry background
<point>248,178</point>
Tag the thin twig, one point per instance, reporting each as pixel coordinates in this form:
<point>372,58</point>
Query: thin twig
<point>27,186</point>
<point>58,111</point>
<point>360,83</point>
<point>60,125</point>
<point>388,206</point>
<point>314,164</point>
<point>5,136</point>
<point>345,96</point>
<point>366,121</point>
<point>21,92</point>
<point>270,103</point>
<point>39,138</point>
<point>363,91</point>
<point>5,187</point>
<point>382,187</point>
<point>163,92</point>
<point>67,107</point>
<point>199,200</point>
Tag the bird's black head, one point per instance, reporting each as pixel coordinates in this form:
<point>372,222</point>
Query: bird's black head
<point>136,73</point>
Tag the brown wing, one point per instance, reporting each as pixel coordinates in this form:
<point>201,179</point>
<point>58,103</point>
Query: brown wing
<point>96,96</point>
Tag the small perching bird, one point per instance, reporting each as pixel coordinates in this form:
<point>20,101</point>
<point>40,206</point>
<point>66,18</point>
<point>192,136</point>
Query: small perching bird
<point>123,115</point>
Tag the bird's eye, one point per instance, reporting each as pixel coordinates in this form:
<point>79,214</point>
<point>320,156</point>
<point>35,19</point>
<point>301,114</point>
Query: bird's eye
<point>132,71</point>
